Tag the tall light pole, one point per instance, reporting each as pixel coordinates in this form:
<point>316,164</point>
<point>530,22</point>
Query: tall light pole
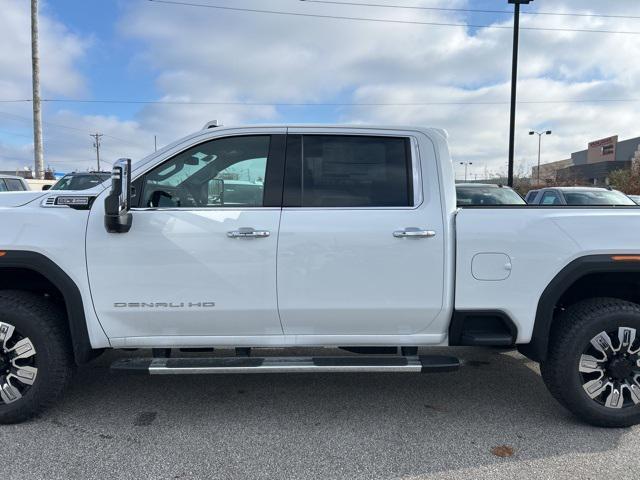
<point>466,166</point>
<point>35,79</point>
<point>540,134</point>
<point>514,81</point>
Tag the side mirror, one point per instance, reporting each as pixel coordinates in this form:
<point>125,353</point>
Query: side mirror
<point>46,187</point>
<point>117,218</point>
<point>215,192</point>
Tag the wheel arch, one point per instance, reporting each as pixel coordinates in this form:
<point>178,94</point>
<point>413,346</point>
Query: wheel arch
<point>590,276</point>
<point>26,270</point>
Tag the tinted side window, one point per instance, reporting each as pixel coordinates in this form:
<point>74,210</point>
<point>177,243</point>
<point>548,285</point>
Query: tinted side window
<point>531,196</point>
<point>355,171</point>
<point>550,198</point>
<point>14,185</point>
<point>226,172</point>
<point>3,187</point>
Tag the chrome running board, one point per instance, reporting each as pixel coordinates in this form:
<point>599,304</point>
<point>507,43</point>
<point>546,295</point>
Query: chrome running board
<point>220,365</point>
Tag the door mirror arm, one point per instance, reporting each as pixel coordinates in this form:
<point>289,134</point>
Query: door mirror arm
<point>117,218</point>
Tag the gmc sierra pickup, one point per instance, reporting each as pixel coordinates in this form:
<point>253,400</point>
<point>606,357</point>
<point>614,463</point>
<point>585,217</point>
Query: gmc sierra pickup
<point>283,236</point>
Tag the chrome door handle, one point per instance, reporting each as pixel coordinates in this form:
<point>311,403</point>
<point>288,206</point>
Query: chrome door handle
<point>247,232</point>
<point>412,232</point>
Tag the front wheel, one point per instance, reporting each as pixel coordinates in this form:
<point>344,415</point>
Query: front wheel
<point>593,364</point>
<point>35,355</point>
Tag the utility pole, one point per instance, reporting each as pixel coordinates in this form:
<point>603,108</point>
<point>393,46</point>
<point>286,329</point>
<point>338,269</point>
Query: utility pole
<point>514,81</point>
<point>155,143</point>
<point>96,145</point>
<point>35,76</point>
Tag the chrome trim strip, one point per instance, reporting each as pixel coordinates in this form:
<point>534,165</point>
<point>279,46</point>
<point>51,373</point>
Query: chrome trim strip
<point>285,365</point>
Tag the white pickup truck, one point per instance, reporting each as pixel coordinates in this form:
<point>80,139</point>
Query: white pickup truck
<point>287,236</point>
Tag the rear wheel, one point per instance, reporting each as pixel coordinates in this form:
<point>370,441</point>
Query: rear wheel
<point>593,365</point>
<point>35,355</point>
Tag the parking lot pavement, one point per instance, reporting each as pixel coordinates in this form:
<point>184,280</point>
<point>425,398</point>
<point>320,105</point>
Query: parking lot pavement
<point>318,426</point>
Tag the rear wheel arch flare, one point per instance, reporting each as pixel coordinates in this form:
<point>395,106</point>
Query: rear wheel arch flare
<point>580,269</point>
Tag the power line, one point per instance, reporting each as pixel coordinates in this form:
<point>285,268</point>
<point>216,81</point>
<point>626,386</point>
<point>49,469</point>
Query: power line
<point>381,20</point>
<point>470,10</point>
<point>312,104</point>
<point>58,125</point>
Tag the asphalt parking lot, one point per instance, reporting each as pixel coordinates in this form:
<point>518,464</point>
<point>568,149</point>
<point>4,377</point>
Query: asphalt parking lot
<point>369,426</point>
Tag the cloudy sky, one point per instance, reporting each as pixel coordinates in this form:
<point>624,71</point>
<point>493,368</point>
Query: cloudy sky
<point>249,67</point>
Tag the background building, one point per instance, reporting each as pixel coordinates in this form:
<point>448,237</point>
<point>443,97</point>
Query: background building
<point>592,165</point>
<point>28,174</point>
<point>549,171</point>
<point>602,157</point>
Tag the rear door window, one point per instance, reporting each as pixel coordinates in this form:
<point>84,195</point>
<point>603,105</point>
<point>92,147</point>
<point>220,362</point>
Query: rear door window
<point>14,185</point>
<point>3,186</point>
<point>604,197</point>
<point>349,171</point>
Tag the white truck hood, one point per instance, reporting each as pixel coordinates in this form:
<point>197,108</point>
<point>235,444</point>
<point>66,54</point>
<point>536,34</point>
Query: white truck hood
<point>17,199</point>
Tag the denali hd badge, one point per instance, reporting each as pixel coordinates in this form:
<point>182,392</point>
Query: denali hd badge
<point>164,305</point>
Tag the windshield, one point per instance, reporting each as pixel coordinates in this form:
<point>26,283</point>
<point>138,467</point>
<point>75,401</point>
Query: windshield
<point>488,196</point>
<point>596,197</point>
<point>80,182</point>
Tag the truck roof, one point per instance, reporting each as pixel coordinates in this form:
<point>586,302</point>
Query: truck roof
<point>483,185</point>
<point>578,188</point>
<point>328,125</point>
<point>17,177</point>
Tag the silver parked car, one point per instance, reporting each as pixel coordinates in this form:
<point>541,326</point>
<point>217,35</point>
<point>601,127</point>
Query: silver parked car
<point>578,196</point>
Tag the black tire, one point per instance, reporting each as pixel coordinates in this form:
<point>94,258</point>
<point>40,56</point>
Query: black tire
<point>44,324</point>
<point>570,336</point>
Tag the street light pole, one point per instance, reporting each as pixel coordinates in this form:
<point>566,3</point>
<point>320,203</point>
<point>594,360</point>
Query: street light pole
<point>540,134</point>
<point>514,81</point>
<point>466,166</point>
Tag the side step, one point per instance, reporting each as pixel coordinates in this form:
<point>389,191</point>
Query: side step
<point>183,366</point>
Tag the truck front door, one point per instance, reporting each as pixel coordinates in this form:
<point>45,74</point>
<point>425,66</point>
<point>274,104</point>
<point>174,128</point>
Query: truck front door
<point>361,247</point>
<point>200,258</point>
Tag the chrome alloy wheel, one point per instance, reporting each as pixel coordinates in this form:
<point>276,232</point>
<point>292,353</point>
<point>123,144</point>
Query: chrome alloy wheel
<point>610,368</point>
<point>18,369</point>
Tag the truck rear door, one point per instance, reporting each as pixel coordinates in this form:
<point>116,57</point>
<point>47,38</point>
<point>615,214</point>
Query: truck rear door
<point>361,248</point>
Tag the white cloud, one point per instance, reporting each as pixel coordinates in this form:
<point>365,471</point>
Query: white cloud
<point>60,50</point>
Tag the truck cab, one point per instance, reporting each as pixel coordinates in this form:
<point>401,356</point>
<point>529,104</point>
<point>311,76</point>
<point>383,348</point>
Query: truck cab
<point>287,252</point>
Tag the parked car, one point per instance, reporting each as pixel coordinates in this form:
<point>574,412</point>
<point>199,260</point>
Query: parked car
<point>10,183</point>
<point>577,196</point>
<point>635,198</point>
<point>478,194</point>
<point>39,185</point>
<point>79,181</point>
<point>354,239</point>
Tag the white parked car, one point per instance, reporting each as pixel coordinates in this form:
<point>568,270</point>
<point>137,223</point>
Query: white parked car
<point>11,183</point>
<point>286,236</point>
